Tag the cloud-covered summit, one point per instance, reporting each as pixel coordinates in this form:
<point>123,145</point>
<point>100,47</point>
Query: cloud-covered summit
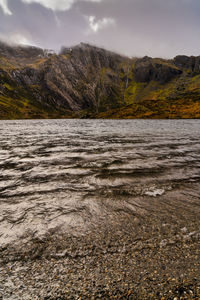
<point>131,27</point>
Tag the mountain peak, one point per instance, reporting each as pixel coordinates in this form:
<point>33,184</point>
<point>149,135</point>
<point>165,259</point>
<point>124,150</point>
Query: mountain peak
<point>89,80</point>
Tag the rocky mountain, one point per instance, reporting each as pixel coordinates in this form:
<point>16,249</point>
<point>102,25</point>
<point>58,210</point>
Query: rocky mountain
<point>89,82</point>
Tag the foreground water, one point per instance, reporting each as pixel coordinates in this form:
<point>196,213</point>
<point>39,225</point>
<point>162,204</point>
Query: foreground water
<point>66,174</point>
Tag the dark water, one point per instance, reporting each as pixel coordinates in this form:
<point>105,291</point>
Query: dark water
<point>66,174</point>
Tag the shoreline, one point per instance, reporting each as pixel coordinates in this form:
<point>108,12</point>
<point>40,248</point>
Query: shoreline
<point>139,256</point>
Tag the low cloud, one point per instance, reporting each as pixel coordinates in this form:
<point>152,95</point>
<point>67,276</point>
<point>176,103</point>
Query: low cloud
<point>17,39</point>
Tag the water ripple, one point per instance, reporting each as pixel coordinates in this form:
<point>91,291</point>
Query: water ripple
<point>62,173</point>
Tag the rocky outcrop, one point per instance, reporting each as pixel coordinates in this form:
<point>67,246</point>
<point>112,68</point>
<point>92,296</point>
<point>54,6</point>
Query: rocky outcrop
<point>27,76</point>
<point>79,78</point>
<point>23,52</point>
<point>147,69</point>
<point>188,62</point>
<point>77,73</point>
<point>21,55</point>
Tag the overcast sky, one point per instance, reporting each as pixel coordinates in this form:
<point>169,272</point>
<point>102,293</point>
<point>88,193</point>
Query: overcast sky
<point>161,28</point>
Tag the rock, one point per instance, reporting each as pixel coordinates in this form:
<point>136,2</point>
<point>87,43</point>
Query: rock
<point>20,52</point>
<point>147,69</point>
<point>136,221</point>
<point>188,62</point>
<point>184,229</point>
<point>70,81</point>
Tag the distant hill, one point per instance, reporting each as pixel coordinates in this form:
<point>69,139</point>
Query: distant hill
<point>90,82</point>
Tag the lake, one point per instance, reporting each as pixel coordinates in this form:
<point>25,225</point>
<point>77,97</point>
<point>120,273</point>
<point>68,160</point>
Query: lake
<point>59,173</point>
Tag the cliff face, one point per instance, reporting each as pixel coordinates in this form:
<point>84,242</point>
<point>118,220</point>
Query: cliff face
<point>76,75</point>
<point>148,69</point>
<point>50,85</point>
<point>86,81</point>
<point>191,63</point>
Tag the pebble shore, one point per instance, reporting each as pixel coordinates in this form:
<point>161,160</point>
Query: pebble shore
<point>138,258</point>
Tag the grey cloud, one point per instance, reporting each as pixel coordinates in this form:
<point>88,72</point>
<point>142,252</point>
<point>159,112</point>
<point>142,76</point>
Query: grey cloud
<point>136,27</point>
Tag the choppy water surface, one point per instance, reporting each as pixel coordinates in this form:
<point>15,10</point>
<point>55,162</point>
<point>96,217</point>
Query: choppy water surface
<point>69,174</point>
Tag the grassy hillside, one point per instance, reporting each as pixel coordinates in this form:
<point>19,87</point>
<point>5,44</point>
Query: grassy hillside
<point>178,99</point>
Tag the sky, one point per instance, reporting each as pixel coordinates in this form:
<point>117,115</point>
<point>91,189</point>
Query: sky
<point>157,28</point>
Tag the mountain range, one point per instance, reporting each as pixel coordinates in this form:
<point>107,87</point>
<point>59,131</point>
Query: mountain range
<point>90,82</point>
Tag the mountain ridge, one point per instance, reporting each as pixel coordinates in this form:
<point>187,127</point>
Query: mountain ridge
<point>86,81</point>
